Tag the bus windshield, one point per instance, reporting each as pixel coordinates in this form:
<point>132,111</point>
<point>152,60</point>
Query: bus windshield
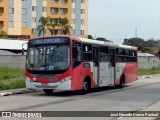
<point>48,57</point>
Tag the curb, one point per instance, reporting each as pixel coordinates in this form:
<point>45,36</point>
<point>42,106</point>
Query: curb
<point>150,76</point>
<point>18,92</point>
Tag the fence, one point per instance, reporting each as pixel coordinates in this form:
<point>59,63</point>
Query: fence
<point>13,61</point>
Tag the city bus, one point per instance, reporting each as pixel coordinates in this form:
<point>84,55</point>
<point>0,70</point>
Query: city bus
<point>68,63</point>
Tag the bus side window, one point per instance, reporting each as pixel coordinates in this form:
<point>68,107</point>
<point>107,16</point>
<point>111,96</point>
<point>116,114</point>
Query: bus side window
<point>87,52</point>
<point>76,53</point>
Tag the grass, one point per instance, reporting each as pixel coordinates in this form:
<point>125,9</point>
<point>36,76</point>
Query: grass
<point>11,78</point>
<point>149,71</point>
<point>157,118</point>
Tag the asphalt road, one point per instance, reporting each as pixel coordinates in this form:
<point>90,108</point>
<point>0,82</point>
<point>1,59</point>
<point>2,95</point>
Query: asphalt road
<point>134,96</point>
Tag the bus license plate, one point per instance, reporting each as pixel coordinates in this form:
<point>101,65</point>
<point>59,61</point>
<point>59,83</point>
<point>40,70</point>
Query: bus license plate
<point>44,84</point>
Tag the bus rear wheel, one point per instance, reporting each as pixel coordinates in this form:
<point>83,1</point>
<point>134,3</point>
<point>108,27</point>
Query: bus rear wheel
<point>122,82</point>
<point>48,91</point>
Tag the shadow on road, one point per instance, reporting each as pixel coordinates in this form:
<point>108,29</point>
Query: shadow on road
<point>74,93</point>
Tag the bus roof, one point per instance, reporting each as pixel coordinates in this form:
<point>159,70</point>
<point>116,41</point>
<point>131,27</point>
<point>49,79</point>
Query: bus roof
<point>107,43</point>
<point>92,41</point>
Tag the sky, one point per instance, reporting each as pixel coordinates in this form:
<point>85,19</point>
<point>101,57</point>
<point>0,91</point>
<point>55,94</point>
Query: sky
<point>118,19</point>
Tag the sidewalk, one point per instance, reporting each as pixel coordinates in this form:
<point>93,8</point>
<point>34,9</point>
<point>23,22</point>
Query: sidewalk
<point>16,91</point>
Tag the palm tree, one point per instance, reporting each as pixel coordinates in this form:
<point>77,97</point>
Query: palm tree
<point>46,24</point>
<point>64,26</point>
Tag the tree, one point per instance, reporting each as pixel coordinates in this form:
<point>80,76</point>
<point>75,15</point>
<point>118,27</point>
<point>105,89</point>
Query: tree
<point>3,34</point>
<point>64,26</point>
<point>103,39</point>
<point>158,53</point>
<point>90,37</point>
<point>138,42</point>
<point>45,24</point>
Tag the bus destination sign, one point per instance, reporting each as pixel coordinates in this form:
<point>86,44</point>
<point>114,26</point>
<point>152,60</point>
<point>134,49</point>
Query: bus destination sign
<point>48,41</point>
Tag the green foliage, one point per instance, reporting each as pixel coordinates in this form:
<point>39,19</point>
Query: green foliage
<point>103,39</point>
<point>11,78</point>
<point>12,84</point>
<point>45,24</point>
<point>158,53</point>
<point>149,46</point>
<point>138,42</point>
<point>147,50</point>
<point>64,26</point>
<point>90,37</point>
<point>8,73</point>
<point>157,118</point>
<point>149,71</point>
<point>3,34</point>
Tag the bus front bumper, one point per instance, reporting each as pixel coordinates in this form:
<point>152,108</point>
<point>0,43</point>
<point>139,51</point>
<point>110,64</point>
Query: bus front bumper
<point>64,84</point>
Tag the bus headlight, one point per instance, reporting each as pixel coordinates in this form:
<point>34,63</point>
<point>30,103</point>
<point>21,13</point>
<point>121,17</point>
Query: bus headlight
<point>28,79</point>
<point>66,79</point>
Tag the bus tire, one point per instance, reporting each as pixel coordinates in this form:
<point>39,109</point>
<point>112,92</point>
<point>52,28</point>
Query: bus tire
<point>122,82</point>
<point>86,86</point>
<point>48,91</point>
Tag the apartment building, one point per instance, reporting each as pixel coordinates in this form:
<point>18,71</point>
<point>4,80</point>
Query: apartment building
<point>20,18</point>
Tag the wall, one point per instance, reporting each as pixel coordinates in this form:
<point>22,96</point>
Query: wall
<point>148,62</point>
<point>13,61</point>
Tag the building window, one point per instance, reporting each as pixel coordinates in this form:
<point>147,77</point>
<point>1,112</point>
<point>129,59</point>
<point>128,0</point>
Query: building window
<point>24,11</point>
<point>33,19</point>
<point>61,32</point>
<point>73,11</point>
<point>10,24</point>
<point>33,8</point>
<point>73,32</point>
<point>44,9</point>
<point>82,1</point>
<point>82,11</point>
<point>82,22</point>
<point>54,1</point>
<point>34,30</point>
<point>63,1</point>
<point>82,32</point>
<point>11,10</point>
<point>73,21</point>
<point>24,24</point>
<point>54,10</point>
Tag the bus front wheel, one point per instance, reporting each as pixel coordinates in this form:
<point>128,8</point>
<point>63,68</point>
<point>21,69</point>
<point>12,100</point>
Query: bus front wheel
<point>86,87</point>
<point>48,91</point>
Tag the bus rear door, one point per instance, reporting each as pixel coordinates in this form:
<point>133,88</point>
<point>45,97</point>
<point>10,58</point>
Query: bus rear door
<point>112,65</point>
<point>96,65</point>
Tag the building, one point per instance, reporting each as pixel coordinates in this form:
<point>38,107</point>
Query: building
<point>20,18</point>
<point>147,61</point>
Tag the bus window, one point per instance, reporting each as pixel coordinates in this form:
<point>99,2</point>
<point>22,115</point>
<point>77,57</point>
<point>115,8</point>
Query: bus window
<point>104,52</point>
<point>133,56</point>
<point>76,53</point>
<point>87,52</point>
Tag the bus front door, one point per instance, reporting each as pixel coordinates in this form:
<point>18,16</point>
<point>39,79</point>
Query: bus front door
<point>112,65</point>
<point>95,65</point>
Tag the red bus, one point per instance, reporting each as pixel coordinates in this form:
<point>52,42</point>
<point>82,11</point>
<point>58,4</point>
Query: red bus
<point>70,63</point>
